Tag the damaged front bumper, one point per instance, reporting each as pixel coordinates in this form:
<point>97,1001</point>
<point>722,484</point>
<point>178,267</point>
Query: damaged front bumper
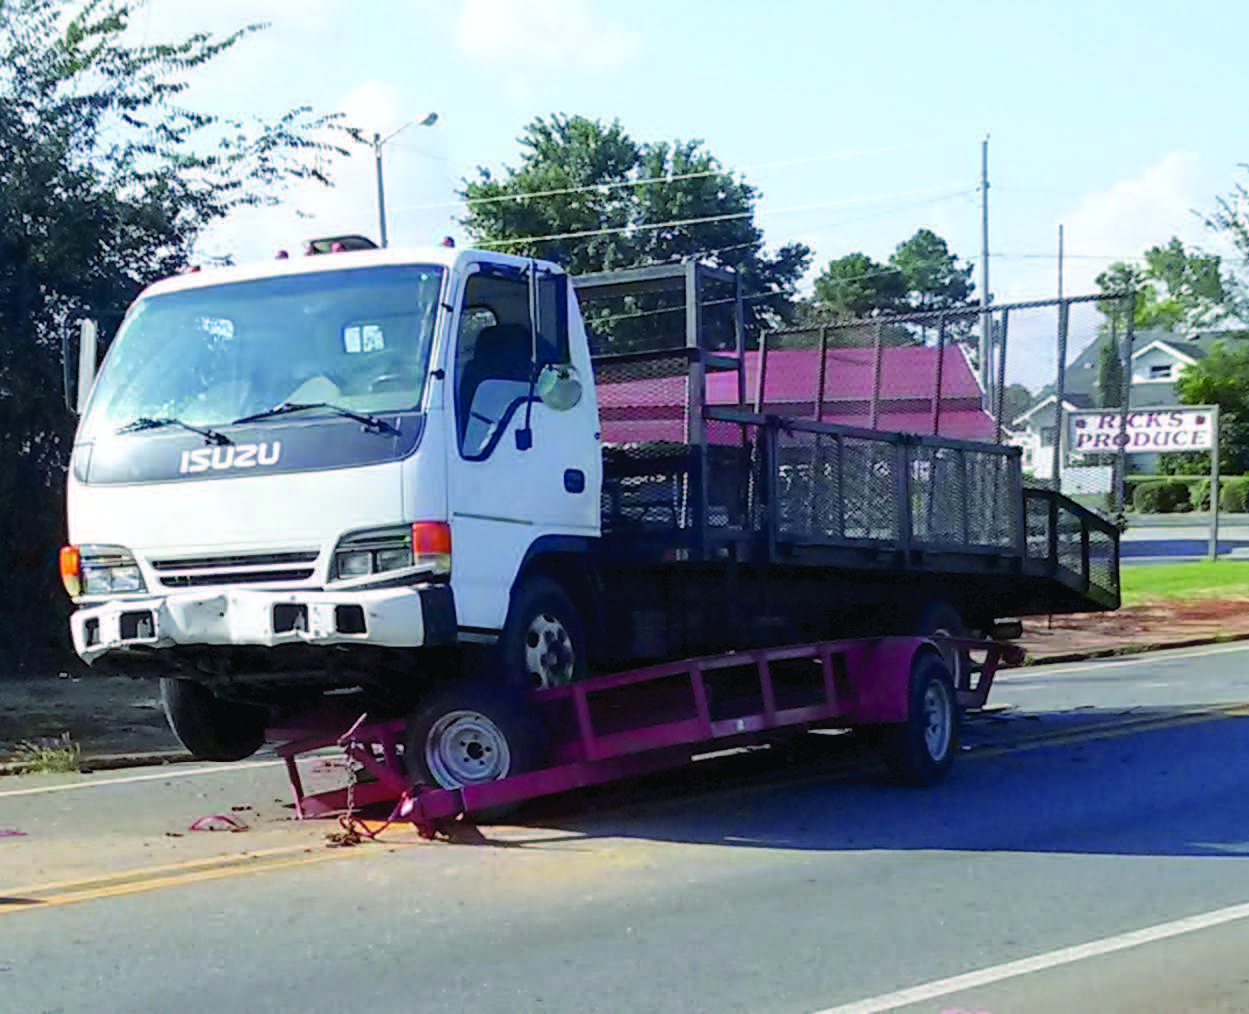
<point>410,616</point>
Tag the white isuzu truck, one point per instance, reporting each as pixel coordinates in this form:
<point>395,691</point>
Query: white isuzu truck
<point>400,475</point>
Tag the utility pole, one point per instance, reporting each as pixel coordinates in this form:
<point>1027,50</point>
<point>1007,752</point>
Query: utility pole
<point>986,324</point>
<point>1060,261</point>
<point>429,120</point>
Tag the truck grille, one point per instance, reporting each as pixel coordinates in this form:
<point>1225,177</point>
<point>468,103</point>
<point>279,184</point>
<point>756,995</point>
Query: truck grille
<point>236,568</point>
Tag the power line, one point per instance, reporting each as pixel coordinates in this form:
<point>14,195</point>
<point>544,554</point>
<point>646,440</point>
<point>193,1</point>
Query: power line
<point>703,220</point>
<point>670,178</point>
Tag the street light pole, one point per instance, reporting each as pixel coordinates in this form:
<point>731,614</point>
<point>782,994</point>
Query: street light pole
<point>429,120</point>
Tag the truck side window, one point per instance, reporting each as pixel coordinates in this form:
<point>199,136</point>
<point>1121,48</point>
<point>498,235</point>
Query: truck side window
<point>494,360</point>
<point>553,319</point>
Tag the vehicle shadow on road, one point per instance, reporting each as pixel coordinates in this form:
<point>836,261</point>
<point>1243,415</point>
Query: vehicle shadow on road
<point>1169,783</point>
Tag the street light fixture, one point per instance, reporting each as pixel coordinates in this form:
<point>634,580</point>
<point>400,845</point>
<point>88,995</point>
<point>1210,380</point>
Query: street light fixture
<point>429,120</point>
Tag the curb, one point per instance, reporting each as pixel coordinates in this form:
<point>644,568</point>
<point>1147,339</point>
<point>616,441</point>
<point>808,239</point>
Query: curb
<point>1133,648</point>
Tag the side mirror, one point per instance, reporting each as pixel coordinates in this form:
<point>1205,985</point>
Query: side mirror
<point>88,349</point>
<point>558,387</point>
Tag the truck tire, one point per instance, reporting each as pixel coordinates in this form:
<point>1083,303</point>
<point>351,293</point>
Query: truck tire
<point>210,727</point>
<point>920,750</point>
<point>472,731</point>
<point>543,641</point>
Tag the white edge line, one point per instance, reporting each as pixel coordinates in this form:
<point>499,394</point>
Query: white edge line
<point>1040,962</point>
<point>221,769</point>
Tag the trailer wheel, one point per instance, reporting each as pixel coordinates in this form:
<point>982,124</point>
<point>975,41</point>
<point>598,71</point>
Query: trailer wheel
<point>920,750</point>
<point>543,643</point>
<point>210,727</point>
<point>940,619</point>
<point>472,731</point>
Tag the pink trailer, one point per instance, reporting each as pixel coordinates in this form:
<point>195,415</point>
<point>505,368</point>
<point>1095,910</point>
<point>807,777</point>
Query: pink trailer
<point>632,723</point>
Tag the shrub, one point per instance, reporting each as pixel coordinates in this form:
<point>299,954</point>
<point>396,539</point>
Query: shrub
<point>1232,494</point>
<point>1200,494</point>
<point>1161,497</point>
<point>1146,497</point>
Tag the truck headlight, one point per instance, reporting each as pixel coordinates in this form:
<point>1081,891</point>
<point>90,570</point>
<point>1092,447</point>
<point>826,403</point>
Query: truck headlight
<point>425,546</point>
<point>100,570</point>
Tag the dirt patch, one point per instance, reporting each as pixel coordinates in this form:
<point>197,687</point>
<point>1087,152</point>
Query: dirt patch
<point>104,715</point>
<point>1133,627</point>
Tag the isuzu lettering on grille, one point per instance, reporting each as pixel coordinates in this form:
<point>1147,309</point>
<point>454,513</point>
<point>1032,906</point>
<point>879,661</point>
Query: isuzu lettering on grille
<point>206,459</point>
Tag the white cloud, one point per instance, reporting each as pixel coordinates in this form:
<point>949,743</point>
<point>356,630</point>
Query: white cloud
<point>1131,216</point>
<point>415,183</point>
<point>533,35</point>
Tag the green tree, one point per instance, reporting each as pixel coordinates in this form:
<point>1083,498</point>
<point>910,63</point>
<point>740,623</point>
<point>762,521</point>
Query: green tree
<point>591,198</point>
<point>857,286</point>
<point>931,274</point>
<point>922,274</point>
<point>1222,378</point>
<point>1231,219</point>
<point>1174,289</point>
<point>1016,400</point>
<point>1110,375</point>
<point>106,180</point>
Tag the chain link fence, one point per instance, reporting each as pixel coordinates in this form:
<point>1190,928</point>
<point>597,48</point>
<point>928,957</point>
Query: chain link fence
<point>995,375</point>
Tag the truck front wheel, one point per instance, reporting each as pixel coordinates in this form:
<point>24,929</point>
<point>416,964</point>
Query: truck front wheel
<point>210,727</point>
<point>470,732</point>
<point>543,642</point>
<point>920,750</point>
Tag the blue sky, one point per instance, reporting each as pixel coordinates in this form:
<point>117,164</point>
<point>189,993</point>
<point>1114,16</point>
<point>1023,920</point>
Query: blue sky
<point>859,123</point>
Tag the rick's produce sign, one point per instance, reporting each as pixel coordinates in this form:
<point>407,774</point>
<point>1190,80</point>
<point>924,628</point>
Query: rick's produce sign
<point>1153,430</point>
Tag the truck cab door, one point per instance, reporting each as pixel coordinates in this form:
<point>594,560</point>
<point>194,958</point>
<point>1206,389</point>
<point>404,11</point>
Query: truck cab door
<point>521,467</point>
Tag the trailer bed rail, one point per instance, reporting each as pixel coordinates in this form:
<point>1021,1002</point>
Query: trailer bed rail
<point>632,723</point>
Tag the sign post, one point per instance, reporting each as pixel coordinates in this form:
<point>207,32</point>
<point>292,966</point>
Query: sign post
<point>1214,488</point>
<point>1158,430</point>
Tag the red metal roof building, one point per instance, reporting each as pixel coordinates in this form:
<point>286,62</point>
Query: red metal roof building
<point>913,392</point>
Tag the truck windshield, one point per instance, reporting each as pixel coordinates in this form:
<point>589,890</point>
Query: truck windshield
<point>357,340</point>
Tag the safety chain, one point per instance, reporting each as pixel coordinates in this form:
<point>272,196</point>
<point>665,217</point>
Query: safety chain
<point>353,831</point>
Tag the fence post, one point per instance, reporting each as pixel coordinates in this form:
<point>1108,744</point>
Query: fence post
<point>1060,394</point>
<point>1000,407</point>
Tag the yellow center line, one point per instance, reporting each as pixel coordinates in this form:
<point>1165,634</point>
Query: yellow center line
<point>173,875</point>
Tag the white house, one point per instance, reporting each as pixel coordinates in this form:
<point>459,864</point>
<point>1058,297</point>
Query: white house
<point>1157,359</point>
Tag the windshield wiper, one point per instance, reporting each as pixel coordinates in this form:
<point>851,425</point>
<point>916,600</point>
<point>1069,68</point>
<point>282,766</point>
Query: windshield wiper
<point>147,423</point>
<point>372,423</point>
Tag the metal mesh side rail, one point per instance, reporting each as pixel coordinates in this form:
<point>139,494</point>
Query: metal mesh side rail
<point>1072,541</point>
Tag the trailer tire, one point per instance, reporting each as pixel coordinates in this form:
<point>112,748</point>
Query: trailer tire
<point>543,642</point>
<point>210,727</point>
<point>940,619</point>
<point>921,750</point>
<point>473,731</point>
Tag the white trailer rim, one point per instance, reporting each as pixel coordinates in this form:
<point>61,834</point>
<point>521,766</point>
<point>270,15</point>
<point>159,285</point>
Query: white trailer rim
<point>466,748</point>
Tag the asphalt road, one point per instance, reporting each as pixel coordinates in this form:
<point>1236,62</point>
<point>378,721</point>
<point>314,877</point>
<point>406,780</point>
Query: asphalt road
<point>1171,538</point>
<point>1089,852</point>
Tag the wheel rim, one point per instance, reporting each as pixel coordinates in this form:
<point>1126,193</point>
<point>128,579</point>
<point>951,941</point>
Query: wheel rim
<point>938,720</point>
<point>549,657</point>
<point>464,748</point>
